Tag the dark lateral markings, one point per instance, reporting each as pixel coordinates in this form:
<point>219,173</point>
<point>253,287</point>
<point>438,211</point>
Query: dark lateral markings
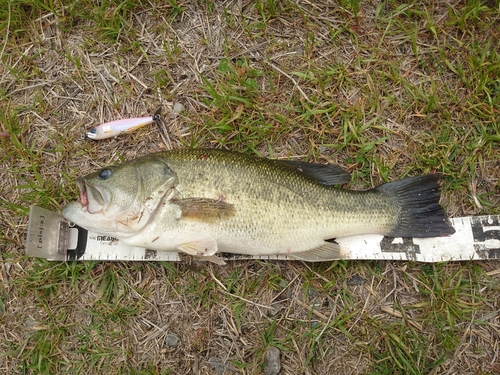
<point>486,233</point>
<point>407,247</point>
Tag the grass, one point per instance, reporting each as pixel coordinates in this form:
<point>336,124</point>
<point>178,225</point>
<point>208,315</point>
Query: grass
<point>385,90</point>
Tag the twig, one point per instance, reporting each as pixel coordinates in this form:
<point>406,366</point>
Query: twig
<point>494,272</point>
<point>329,320</point>
<point>224,289</point>
<point>292,79</point>
<point>312,309</point>
<point>398,314</point>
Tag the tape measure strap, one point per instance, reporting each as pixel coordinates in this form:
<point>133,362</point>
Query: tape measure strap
<point>476,238</point>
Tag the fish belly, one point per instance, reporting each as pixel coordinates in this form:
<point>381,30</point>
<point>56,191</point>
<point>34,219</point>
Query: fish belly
<point>256,229</point>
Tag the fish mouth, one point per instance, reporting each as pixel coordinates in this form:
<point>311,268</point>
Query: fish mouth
<point>84,200</point>
<point>92,198</point>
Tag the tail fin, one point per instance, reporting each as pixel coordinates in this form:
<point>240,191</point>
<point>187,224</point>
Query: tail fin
<point>420,214</point>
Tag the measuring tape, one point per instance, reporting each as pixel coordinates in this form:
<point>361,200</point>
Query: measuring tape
<point>476,238</point>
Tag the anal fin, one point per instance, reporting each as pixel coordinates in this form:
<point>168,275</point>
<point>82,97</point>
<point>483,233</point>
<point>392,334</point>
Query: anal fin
<point>325,252</point>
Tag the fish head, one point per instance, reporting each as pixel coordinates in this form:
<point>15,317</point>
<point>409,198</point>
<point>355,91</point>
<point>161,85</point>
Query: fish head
<point>120,200</point>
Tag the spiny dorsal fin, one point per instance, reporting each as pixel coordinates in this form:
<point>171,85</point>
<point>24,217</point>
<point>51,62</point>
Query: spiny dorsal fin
<point>329,174</point>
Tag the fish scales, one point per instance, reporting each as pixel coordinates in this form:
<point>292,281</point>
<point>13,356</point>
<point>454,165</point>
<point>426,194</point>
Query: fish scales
<point>258,184</point>
<point>219,201</point>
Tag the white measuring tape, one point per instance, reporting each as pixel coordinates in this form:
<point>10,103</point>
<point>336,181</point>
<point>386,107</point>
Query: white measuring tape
<point>476,238</point>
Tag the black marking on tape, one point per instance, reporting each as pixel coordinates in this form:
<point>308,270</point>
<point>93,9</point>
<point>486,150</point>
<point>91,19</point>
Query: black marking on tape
<point>486,229</point>
<point>150,254</point>
<point>233,256</point>
<point>407,247</point>
<point>81,244</point>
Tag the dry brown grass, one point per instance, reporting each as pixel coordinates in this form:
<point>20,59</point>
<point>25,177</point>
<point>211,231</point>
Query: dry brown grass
<point>385,91</point>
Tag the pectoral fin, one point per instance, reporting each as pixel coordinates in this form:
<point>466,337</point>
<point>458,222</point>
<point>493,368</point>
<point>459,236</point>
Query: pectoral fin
<point>207,210</point>
<point>326,252</point>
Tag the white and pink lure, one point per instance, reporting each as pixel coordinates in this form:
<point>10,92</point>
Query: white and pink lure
<point>126,125</point>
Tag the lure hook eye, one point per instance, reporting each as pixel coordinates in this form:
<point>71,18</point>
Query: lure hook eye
<point>157,115</point>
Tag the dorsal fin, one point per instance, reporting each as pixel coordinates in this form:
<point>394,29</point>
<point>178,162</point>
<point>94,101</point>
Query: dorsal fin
<point>325,174</point>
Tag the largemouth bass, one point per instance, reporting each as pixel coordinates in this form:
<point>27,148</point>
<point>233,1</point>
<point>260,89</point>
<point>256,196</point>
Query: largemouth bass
<point>202,202</point>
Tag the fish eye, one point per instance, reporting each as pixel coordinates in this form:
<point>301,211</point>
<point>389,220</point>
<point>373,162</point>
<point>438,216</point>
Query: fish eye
<point>93,131</point>
<point>105,173</point>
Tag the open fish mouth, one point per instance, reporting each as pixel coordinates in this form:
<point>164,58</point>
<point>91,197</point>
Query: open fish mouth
<point>84,199</point>
<point>92,198</point>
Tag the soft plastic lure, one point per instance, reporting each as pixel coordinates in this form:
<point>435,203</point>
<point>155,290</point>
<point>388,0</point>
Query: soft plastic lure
<point>126,125</point>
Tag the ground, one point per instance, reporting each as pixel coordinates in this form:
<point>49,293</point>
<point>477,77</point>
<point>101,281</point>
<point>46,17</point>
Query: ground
<point>384,88</point>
